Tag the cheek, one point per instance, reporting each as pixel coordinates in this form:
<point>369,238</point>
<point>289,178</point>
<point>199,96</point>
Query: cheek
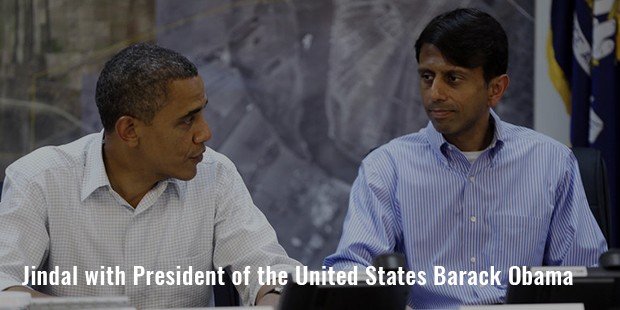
<point>170,144</point>
<point>425,94</point>
<point>474,98</point>
<point>183,144</point>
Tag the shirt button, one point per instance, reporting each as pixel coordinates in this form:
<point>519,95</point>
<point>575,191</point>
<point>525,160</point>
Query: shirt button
<point>473,219</point>
<point>472,259</point>
<point>471,179</point>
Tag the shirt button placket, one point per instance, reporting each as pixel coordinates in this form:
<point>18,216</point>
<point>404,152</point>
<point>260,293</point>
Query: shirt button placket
<point>132,248</point>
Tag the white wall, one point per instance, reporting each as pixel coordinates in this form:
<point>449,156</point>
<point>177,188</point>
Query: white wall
<point>550,116</point>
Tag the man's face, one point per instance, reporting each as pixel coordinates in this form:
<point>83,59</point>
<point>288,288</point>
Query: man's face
<point>173,144</point>
<point>456,99</point>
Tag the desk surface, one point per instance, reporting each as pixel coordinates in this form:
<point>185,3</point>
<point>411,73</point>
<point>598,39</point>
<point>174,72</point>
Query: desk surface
<point>570,306</point>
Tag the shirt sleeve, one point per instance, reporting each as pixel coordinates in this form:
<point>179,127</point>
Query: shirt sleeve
<point>244,237</point>
<point>23,235</point>
<point>372,224</point>
<point>574,238</point>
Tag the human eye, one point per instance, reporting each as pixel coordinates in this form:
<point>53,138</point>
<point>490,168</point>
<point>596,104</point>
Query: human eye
<point>188,120</point>
<point>454,79</point>
<point>426,77</point>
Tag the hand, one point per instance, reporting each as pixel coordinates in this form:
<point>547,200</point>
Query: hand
<point>264,298</point>
<point>26,289</point>
<point>269,300</point>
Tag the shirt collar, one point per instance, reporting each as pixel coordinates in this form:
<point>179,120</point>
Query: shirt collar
<point>95,175</point>
<point>440,145</point>
<point>94,169</point>
<point>179,186</point>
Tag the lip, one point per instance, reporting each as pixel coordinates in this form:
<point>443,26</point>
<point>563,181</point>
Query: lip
<point>437,113</point>
<point>197,158</point>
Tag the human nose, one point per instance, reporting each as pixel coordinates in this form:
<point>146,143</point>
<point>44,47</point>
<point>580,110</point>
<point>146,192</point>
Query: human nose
<point>203,132</point>
<point>438,92</point>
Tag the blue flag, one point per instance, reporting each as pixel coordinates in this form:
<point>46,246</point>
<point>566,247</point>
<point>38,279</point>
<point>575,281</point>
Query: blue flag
<point>583,56</point>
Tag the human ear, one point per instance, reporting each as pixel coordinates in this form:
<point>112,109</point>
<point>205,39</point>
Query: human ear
<point>125,128</point>
<point>497,88</point>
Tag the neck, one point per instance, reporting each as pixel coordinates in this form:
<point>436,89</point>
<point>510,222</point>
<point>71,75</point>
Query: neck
<point>475,143</point>
<point>125,177</point>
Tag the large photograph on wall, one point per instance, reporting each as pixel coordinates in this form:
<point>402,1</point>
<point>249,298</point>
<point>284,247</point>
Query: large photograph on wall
<point>299,91</point>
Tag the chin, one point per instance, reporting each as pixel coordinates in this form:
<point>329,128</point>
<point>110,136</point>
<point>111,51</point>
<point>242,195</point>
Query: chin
<point>441,128</point>
<point>185,175</point>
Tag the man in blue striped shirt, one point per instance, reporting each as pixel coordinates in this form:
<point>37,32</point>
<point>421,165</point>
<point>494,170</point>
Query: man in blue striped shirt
<point>469,193</point>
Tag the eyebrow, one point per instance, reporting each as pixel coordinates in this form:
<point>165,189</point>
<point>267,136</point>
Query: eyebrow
<point>195,111</point>
<point>422,70</point>
<point>457,71</point>
<point>451,71</point>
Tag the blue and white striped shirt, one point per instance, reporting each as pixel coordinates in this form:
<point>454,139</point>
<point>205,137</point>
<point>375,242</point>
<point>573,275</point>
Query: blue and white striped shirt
<point>521,203</point>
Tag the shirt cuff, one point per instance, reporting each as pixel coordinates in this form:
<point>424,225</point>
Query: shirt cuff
<point>6,283</point>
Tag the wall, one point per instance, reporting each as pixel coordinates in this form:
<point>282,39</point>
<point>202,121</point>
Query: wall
<point>46,49</point>
<point>299,91</point>
<point>550,114</point>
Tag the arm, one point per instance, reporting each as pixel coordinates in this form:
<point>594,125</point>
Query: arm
<point>23,234</point>
<point>372,225</point>
<point>26,289</point>
<point>243,237</point>
<point>574,236</point>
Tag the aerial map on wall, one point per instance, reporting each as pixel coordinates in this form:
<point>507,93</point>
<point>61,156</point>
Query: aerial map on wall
<point>299,91</point>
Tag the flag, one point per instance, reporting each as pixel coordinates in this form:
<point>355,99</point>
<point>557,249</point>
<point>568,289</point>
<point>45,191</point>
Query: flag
<point>583,57</point>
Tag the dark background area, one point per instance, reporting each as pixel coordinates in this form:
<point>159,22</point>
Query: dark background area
<point>299,91</point>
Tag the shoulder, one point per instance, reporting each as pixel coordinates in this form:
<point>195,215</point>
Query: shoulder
<point>412,141</point>
<point>215,160</point>
<point>399,155</point>
<point>518,138</point>
<point>53,158</point>
<point>408,146</point>
<point>215,167</point>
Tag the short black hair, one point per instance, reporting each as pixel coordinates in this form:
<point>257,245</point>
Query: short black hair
<point>134,82</point>
<point>468,38</point>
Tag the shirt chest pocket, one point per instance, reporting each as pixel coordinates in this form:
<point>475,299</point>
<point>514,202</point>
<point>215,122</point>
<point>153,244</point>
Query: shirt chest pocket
<point>519,239</point>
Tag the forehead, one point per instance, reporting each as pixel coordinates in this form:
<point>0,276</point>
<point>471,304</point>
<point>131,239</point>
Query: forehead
<point>430,55</point>
<point>186,89</point>
<point>432,59</point>
<point>183,95</point>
